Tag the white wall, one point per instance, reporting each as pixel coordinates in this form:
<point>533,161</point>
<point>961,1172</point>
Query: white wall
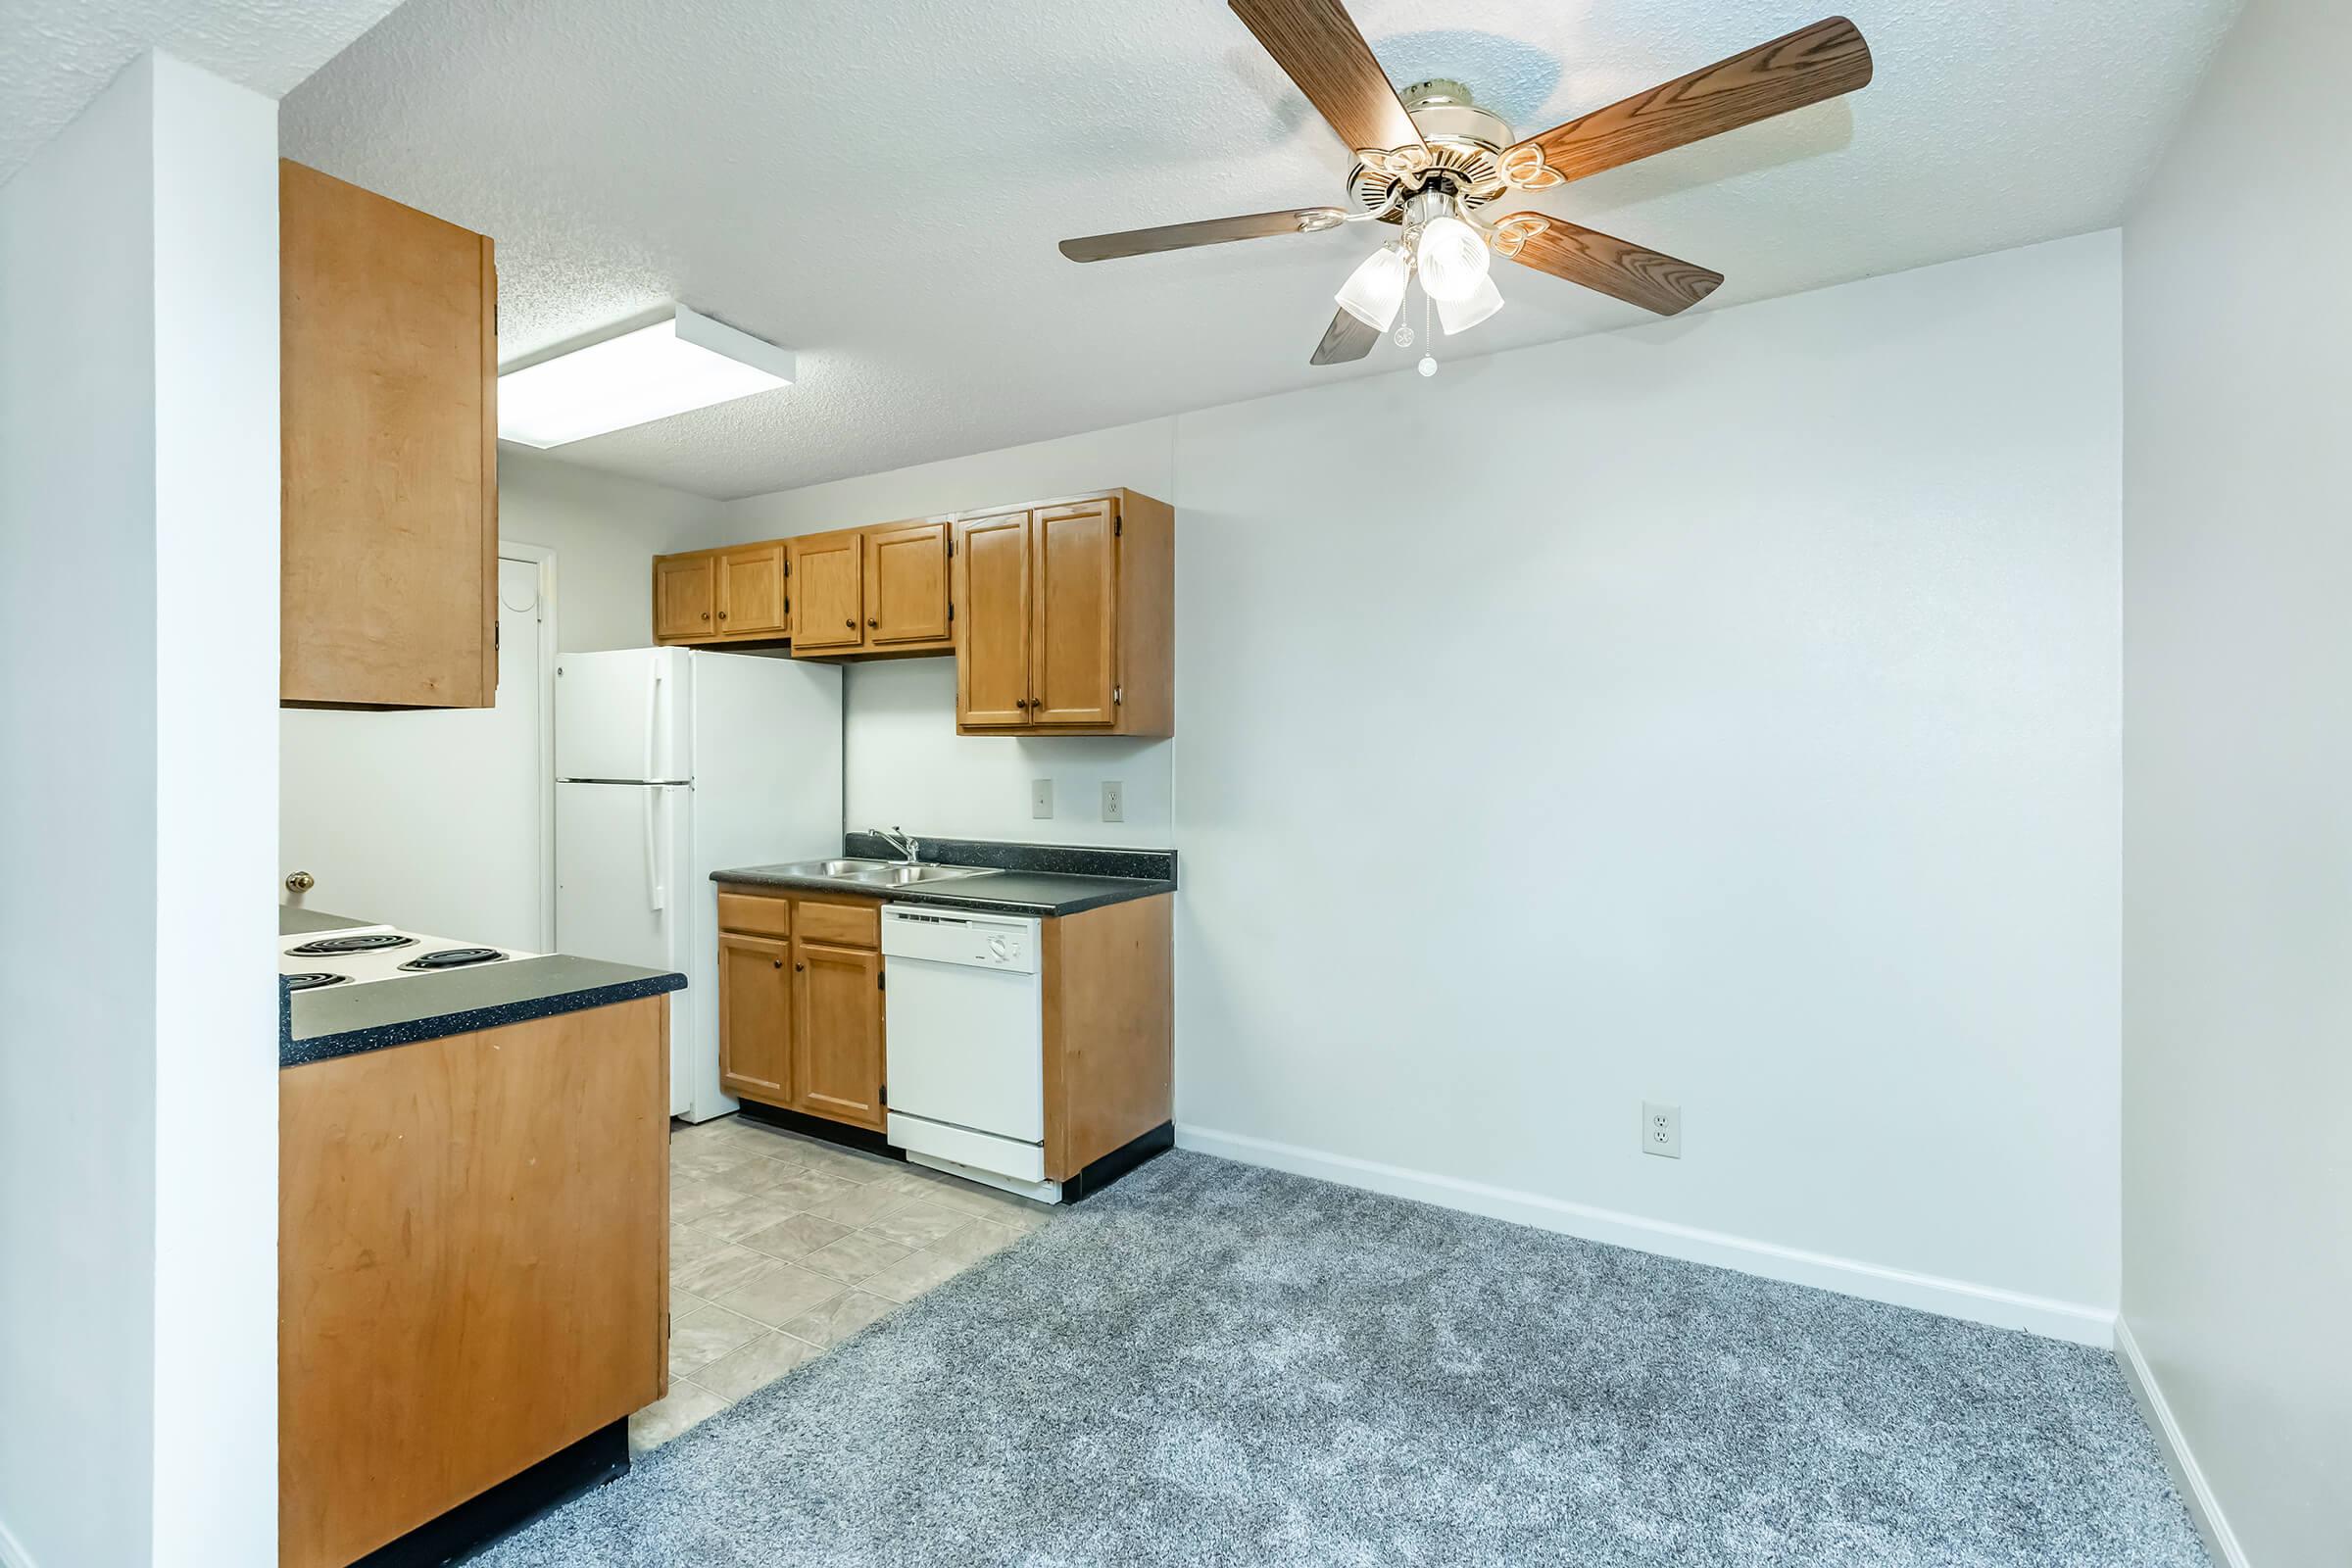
<point>903,766</point>
<point>1722,712</point>
<point>2237,847</point>
<point>138,1100</point>
<point>605,530</point>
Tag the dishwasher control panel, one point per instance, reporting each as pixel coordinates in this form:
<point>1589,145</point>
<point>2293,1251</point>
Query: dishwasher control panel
<point>943,936</point>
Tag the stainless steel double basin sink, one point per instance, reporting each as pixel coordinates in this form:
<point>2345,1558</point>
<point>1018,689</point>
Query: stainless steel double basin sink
<point>882,873</point>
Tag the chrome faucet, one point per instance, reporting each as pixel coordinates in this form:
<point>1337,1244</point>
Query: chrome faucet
<point>897,838</point>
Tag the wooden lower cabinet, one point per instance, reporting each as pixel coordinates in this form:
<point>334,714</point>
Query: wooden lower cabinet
<point>801,1004</point>
<point>804,1021</point>
<point>754,1017</point>
<point>837,1061</point>
<point>472,1266</point>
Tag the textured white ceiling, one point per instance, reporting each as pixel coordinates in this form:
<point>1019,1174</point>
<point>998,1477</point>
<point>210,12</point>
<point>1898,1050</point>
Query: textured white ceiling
<point>878,184</point>
<point>56,54</point>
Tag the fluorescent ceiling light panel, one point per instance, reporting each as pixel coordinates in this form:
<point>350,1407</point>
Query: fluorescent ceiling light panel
<point>688,362</point>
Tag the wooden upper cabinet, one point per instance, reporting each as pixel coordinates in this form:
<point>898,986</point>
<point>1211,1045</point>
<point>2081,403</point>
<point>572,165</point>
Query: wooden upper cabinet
<point>828,608</point>
<point>1075,615</point>
<point>751,591</point>
<point>907,583</point>
<point>837,1056</point>
<point>389,419</point>
<point>1065,619</point>
<point>754,1017</point>
<point>993,577</point>
<point>685,597</point>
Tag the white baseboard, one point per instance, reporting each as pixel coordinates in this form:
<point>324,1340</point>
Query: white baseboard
<point>2203,1506</point>
<point>1977,1304</point>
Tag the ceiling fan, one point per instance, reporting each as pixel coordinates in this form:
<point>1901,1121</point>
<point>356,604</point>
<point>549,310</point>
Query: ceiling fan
<point>1431,160</point>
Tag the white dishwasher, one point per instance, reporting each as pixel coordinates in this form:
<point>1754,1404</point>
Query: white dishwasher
<point>966,1045</point>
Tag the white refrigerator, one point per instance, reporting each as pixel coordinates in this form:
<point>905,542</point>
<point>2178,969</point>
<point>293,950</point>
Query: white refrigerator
<point>672,763</point>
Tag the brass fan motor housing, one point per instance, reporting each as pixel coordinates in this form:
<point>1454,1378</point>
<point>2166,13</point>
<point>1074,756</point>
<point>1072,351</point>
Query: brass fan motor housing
<point>1466,144</point>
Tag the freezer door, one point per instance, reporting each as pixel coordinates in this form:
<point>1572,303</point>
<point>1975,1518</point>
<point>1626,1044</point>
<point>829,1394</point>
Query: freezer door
<point>626,716</point>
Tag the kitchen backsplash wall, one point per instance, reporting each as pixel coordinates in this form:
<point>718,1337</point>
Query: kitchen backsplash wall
<point>905,763</point>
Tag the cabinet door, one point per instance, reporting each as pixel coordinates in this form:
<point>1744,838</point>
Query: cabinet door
<point>754,1017</point>
<point>907,583</point>
<point>1074,658</point>
<point>837,1041</point>
<point>684,603</point>
<point>828,608</point>
<point>751,591</point>
<point>992,622</point>
<point>388,484</point>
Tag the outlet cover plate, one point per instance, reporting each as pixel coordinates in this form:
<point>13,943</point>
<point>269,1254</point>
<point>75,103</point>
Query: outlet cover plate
<point>1040,799</point>
<point>1114,800</point>
<point>1661,1129</point>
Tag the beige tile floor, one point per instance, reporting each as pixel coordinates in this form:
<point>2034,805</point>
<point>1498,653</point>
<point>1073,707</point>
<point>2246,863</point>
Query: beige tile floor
<point>781,1247</point>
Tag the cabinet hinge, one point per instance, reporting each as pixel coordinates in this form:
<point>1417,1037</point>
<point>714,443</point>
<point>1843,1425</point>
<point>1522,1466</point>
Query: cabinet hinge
<point>882,1094</point>
<point>1118,526</point>
<point>951,547</point>
<point>878,981</point>
<point>787,566</point>
<point>951,610</point>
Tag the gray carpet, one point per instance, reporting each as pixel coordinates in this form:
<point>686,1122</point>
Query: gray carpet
<point>1212,1364</point>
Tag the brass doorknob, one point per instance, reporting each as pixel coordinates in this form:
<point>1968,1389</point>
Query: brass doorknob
<point>301,882</point>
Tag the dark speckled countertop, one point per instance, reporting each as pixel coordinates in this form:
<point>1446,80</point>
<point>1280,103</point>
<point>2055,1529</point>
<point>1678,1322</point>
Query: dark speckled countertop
<point>1044,880</point>
<point>343,1020</point>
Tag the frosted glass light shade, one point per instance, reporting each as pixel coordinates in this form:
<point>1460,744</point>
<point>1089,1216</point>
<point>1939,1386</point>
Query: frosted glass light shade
<point>1461,316</point>
<point>1375,291</point>
<point>688,361</point>
<point>1453,257</point>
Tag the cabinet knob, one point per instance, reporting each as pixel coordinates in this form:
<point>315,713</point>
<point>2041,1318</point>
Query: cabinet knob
<point>872,621</point>
<point>705,615</point>
<point>800,966</point>
<point>853,625</point>
<point>779,963</point>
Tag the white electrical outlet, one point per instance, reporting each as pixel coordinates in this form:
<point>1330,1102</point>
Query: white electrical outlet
<point>1114,800</point>
<point>1040,799</point>
<point>1661,1130</point>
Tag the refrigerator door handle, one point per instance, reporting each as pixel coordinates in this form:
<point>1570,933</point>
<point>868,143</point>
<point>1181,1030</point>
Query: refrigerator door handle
<point>653,708</point>
<point>656,894</point>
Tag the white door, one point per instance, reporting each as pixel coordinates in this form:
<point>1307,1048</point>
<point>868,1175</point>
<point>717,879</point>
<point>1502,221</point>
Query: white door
<point>432,820</point>
<point>626,715</point>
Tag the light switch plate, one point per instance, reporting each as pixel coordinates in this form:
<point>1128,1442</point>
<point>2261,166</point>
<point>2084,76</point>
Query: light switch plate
<point>1114,800</point>
<point>1040,799</point>
<point>1661,1130</point>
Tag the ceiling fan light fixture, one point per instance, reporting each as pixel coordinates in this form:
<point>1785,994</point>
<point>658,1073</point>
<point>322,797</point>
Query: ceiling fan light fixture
<point>1461,316</point>
<point>1453,259</point>
<point>1375,291</point>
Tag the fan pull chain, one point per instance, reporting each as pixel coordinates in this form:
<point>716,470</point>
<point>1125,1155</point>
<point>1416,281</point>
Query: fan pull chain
<point>1429,361</point>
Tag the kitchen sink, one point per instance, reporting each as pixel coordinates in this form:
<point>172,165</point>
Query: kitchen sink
<point>882,873</point>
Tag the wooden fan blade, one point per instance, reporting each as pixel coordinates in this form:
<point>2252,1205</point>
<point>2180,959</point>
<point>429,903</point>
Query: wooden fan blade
<point>1345,339</point>
<point>1630,273</point>
<point>1207,231</point>
<point>1317,47</point>
<point>1809,64</point>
